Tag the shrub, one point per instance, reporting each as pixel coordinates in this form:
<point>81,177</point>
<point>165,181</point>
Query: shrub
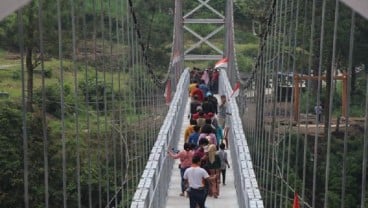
<point>52,98</point>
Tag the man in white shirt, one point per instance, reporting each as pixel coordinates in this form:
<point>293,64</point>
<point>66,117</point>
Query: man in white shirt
<point>196,178</point>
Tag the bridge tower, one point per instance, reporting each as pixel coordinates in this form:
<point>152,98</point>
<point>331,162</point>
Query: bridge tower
<point>206,17</point>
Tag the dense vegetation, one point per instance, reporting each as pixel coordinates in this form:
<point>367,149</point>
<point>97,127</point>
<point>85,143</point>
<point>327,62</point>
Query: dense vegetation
<point>259,13</point>
<point>108,118</point>
<point>155,21</point>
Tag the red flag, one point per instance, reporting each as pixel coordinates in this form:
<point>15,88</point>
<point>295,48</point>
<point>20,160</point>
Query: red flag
<point>222,63</point>
<point>235,92</point>
<point>167,93</point>
<point>296,200</point>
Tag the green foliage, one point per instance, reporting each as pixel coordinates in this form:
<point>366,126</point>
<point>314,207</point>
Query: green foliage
<point>95,91</point>
<point>16,75</point>
<point>52,98</point>
<point>246,54</point>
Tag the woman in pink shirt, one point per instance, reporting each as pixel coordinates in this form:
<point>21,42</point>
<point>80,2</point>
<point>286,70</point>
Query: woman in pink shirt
<point>185,156</point>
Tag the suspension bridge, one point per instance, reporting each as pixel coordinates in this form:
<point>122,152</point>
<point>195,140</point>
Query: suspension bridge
<point>88,123</point>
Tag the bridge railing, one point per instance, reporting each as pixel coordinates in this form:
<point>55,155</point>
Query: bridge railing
<point>154,184</point>
<point>246,185</point>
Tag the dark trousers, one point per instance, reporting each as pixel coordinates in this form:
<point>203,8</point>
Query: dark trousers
<point>182,170</point>
<point>223,173</point>
<point>197,196</point>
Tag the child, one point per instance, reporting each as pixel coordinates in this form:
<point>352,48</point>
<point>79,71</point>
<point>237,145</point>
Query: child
<point>223,157</point>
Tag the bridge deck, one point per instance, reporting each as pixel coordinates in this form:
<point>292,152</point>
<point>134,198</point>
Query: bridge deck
<point>227,196</point>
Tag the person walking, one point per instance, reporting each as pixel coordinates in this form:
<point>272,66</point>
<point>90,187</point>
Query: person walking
<point>318,110</point>
<point>213,166</point>
<point>196,178</point>
<point>185,157</point>
<point>222,119</point>
<point>224,162</point>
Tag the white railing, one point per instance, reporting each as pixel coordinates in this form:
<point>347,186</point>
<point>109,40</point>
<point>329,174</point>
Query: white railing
<point>154,183</point>
<point>246,184</point>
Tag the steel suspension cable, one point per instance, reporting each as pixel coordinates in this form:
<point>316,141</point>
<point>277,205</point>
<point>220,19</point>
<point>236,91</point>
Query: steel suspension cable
<point>348,102</point>
<point>311,48</point>
<point>296,165</point>
<point>124,134</point>
<point>260,125</point>
<point>129,26</point>
<point>270,136</point>
<point>105,104</point>
<point>331,95</point>
<point>274,123</point>
<point>112,113</point>
<point>44,124</point>
<point>365,143</point>
<point>87,103</point>
<point>157,81</point>
<point>292,44</point>
<point>281,136</point>
<point>24,111</point>
<point>62,105</point>
<point>76,105</point>
<point>97,103</point>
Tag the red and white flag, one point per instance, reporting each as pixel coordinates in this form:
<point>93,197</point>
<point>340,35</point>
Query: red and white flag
<point>296,200</point>
<point>167,93</point>
<point>222,63</point>
<point>235,92</point>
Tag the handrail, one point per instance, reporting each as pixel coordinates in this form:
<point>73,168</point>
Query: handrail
<point>248,193</point>
<point>153,185</point>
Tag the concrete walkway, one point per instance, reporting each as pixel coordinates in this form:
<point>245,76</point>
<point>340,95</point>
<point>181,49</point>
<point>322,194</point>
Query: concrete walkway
<point>227,198</point>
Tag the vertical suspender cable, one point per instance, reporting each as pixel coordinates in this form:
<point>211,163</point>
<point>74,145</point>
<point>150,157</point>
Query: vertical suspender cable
<point>260,127</point>
<point>135,96</point>
<point>310,60</point>
<point>274,122</point>
<point>333,69</point>
<point>125,36</point>
<point>62,106</point>
<point>112,113</point>
<point>296,165</point>
<point>348,76</point>
<point>24,115</point>
<point>129,98</point>
<point>365,148</point>
<point>105,103</point>
<point>44,124</point>
<point>88,124</point>
<point>120,42</point>
<point>270,135</point>
<point>292,54</point>
<point>75,71</point>
<point>282,135</point>
<point>97,107</point>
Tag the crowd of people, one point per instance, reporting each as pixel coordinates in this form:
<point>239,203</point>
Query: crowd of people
<point>203,159</point>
